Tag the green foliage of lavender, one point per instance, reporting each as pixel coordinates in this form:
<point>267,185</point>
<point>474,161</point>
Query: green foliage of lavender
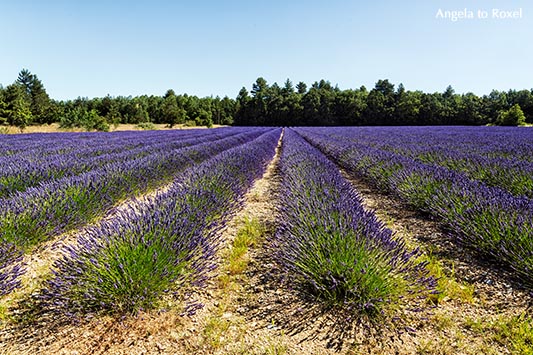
<point>129,263</point>
<point>330,247</point>
<point>123,274</point>
<point>513,176</point>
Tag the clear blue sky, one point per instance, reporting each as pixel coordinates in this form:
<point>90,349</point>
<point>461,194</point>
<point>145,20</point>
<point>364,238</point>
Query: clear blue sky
<point>209,47</point>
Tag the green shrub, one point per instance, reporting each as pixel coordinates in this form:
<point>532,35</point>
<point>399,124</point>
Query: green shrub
<point>512,117</point>
<point>147,126</point>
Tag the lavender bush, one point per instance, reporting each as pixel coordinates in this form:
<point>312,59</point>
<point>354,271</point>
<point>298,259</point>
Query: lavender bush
<point>330,247</point>
<point>10,267</point>
<point>127,264</point>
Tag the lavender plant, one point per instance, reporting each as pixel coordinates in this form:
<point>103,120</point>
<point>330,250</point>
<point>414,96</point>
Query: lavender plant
<point>331,247</point>
<point>11,267</point>
<point>125,265</point>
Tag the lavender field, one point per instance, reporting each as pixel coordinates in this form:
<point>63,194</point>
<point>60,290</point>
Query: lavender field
<point>315,239</point>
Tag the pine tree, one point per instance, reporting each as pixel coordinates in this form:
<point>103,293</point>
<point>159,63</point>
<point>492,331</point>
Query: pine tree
<point>35,95</point>
<point>172,113</point>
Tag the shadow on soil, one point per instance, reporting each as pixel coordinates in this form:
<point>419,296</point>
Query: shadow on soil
<point>295,314</point>
<point>32,326</point>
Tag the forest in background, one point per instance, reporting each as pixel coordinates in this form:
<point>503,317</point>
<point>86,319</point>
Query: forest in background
<point>26,102</point>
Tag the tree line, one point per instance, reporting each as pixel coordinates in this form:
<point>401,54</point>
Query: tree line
<point>26,102</point>
<point>326,105</point>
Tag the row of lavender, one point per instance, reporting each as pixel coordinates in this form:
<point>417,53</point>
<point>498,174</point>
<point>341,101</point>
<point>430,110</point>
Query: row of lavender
<point>330,247</point>
<point>127,265</point>
<point>489,219</point>
<point>497,156</point>
<point>486,141</point>
<point>28,218</point>
<point>53,143</point>
<point>80,154</point>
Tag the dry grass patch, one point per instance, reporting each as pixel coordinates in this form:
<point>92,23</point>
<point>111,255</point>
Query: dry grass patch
<point>54,127</point>
<point>224,330</point>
